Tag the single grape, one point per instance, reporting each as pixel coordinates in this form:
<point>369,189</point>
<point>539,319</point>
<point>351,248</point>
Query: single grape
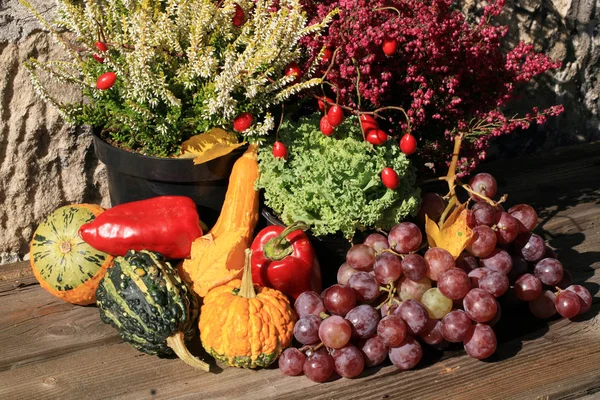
<point>499,260</point>
<point>484,184</point>
<point>291,361</point>
<point>306,329</point>
<point>567,304</point>
<point>361,257</point>
<point>530,246</point>
<point>438,261</point>
<point>519,267</point>
<point>364,319</point>
<point>495,283</point>
<point>476,275</point>
<point>483,214</point>
<point>390,306</point>
<point>365,285</point>
<point>319,366</point>
<point>405,237</point>
<point>507,228</point>
<point>407,355</point>
<point>432,205</point>
<point>436,304</point>
<point>483,242</point>
<point>374,351</point>
<point>480,342</point>
<point>455,326</point>
<point>413,289</point>
<point>309,303</point>
<point>387,268</point>
<point>414,314</point>
<point>392,330</point>
<point>339,299</point>
<point>432,333</point>
<point>335,332</point>
<point>528,287</point>
<point>349,361</point>
<point>414,267</point>
<point>549,271</point>
<point>525,215</point>
<point>566,280</point>
<point>480,306</point>
<point>467,262</point>
<point>344,273</point>
<point>543,307</point>
<point>377,242</point>
<point>454,284</point>
<point>585,297</point>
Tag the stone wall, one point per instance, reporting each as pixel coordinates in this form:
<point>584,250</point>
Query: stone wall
<point>45,164</point>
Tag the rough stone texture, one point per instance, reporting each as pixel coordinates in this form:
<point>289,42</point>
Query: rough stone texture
<point>45,164</point>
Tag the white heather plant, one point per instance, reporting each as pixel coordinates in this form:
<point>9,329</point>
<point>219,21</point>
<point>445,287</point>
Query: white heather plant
<point>182,66</point>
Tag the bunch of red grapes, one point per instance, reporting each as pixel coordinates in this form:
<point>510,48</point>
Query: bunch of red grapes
<point>393,293</point>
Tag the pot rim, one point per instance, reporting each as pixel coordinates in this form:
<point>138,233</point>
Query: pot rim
<point>182,170</point>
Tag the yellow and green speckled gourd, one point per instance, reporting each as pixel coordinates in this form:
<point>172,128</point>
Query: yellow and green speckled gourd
<point>62,262</point>
<point>243,326</point>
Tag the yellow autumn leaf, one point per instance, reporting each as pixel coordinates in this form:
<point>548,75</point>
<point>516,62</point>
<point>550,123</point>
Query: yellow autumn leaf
<point>454,235</point>
<point>209,145</point>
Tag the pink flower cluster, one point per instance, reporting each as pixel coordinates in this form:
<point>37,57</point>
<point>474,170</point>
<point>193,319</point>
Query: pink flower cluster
<point>446,72</point>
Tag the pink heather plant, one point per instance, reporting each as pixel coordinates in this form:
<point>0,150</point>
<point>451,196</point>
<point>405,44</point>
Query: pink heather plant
<point>449,75</point>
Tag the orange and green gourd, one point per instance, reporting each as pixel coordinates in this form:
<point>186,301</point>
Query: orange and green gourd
<point>62,262</point>
<point>245,326</point>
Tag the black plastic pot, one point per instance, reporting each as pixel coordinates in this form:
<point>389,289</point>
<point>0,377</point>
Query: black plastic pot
<point>133,176</point>
<point>331,249</point>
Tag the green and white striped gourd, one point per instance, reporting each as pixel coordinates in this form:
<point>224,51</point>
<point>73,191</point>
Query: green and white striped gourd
<point>146,301</point>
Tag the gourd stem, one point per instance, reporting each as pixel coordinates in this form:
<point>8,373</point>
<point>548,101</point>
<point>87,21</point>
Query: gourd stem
<point>177,343</point>
<point>247,287</point>
<point>275,249</point>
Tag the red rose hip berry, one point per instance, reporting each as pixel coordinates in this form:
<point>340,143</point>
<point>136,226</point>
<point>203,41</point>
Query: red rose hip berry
<point>279,150</point>
<point>293,69</point>
<point>102,47</point>
<point>335,115</point>
<point>389,177</point>
<point>242,122</point>
<point>324,101</point>
<point>106,80</point>
<point>389,46</point>
<point>368,123</point>
<point>325,126</point>
<point>408,144</point>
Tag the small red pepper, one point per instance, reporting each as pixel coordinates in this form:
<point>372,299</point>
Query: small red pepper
<point>165,224</point>
<point>284,259</point>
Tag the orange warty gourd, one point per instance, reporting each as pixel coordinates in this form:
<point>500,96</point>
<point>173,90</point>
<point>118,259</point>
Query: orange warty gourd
<point>218,257</point>
<point>62,262</point>
<point>246,326</point>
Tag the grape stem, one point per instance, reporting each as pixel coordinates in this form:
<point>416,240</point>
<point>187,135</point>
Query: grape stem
<point>481,196</point>
<point>311,347</point>
<point>391,290</point>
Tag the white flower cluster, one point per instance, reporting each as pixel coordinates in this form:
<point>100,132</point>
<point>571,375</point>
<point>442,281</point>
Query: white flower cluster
<point>185,53</point>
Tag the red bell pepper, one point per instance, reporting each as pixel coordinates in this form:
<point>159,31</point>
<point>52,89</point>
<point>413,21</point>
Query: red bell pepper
<point>284,259</point>
<point>165,224</point>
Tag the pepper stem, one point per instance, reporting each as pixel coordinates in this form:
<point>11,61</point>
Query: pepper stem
<point>278,248</point>
<point>247,287</point>
<point>177,343</point>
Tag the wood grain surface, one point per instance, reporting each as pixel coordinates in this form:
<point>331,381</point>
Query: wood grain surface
<point>54,350</point>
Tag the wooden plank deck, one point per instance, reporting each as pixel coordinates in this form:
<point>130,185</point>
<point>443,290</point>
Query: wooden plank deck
<point>51,349</point>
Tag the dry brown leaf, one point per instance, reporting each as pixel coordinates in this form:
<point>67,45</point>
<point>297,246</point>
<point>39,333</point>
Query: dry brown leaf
<point>209,145</point>
<point>454,235</point>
